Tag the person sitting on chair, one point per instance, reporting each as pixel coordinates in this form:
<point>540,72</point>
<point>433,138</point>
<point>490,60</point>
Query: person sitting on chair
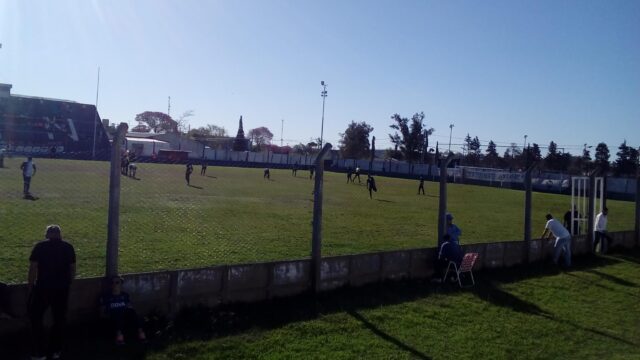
<point>116,305</point>
<point>450,250</point>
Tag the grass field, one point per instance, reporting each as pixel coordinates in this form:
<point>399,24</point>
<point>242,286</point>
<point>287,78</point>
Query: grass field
<point>233,215</point>
<point>590,312</point>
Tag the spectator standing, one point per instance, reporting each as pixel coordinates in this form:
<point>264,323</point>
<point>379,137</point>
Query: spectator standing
<point>600,232</point>
<point>28,171</point>
<point>576,222</point>
<point>562,244</point>
<point>52,269</point>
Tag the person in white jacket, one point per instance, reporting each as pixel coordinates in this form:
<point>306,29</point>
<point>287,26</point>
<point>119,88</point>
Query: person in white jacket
<point>600,232</point>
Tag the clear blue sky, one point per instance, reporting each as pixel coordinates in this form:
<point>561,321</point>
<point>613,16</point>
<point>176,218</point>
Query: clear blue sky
<point>567,71</point>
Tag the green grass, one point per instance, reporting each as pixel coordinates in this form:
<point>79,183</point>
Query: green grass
<point>589,312</point>
<point>235,216</point>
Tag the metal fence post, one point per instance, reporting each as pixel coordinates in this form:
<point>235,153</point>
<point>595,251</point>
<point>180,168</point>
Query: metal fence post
<point>591,211</point>
<point>637,211</point>
<point>527,211</point>
<point>113,225</point>
<point>316,237</point>
<point>442,207</point>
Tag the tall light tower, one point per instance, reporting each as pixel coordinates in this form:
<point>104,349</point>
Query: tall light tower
<point>281,131</point>
<point>324,97</point>
<point>450,132</point>
<point>525,143</point>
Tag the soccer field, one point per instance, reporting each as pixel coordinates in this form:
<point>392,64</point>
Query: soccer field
<point>233,215</point>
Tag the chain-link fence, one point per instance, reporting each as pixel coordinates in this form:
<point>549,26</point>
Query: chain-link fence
<point>226,214</point>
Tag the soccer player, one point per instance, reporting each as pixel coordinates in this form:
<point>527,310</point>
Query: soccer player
<point>52,269</point>
<point>294,170</point>
<point>312,170</point>
<point>371,186</point>
<point>28,171</point>
<point>349,175</point>
<point>266,174</point>
<point>563,239</point>
<point>421,187</point>
<point>187,174</point>
<point>357,175</point>
<point>203,170</point>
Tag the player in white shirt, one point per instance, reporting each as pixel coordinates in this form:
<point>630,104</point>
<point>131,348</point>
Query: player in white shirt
<point>28,171</point>
<point>563,239</point>
<point>600,232</point>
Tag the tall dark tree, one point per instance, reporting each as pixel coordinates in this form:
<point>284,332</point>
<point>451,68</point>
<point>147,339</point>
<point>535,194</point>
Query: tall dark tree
<point>552,160</point>
<point>602,157</point>
<point>240,142</point>
<point>410,139</point>
<point>157,122</point>
<point>354,142</point>
<point>536,155</point>
<point>626,163</point>
<point>491,158</point>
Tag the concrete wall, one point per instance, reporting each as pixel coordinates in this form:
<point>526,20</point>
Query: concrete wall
<point>169,291</point>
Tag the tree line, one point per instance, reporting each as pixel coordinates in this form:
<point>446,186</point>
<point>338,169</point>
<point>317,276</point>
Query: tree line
<point>411,143</point>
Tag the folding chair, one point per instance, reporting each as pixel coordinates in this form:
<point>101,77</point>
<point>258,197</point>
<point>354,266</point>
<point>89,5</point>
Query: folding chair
<point>468,261</point>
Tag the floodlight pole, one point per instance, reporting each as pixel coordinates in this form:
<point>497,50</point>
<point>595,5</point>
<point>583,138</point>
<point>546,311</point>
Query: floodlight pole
<point>324,97</point>
<point>113,225</point>
<point>316,237</point>
<point>442,207</point>
<point>95,118</point>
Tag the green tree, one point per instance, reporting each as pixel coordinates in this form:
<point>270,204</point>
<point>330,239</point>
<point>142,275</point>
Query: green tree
<point>157,122</point>
<point>410,139</point>
<point>354,142</point>
<point>260,136</point>
<point>602,157</point>
<point>626,163</point>
<point>552,160</point>
<point>491,158</point>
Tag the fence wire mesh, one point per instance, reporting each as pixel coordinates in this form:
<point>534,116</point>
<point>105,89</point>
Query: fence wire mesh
<point>230,215</point>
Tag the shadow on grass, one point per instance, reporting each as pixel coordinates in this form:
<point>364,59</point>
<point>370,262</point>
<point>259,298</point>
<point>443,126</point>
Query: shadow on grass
<point>196,187</point>
<point>386,201</point>
<point>381,334</point>
<point>611,278</point>
<point>203,323</point>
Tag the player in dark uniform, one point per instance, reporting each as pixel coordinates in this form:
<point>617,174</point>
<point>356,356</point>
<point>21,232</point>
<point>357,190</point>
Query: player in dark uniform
<point>203,171</point>
<point>294,169</point>
<point>349,174</point>
<point>421,187</point>
<point>187,173</point>
<point>312,170</point>
<point>266,174</point>
<point>371,186</point>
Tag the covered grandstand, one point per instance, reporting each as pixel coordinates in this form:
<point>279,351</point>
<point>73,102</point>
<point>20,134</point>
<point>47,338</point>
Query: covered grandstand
<point>48,127</point>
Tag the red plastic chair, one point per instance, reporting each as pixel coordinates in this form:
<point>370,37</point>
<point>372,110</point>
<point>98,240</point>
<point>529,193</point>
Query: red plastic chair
<point>466,266</point>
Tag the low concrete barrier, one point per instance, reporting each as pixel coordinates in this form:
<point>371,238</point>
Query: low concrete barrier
<point>169,291</point>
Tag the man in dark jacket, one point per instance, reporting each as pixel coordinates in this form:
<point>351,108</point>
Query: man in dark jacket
<point>53,268</point>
